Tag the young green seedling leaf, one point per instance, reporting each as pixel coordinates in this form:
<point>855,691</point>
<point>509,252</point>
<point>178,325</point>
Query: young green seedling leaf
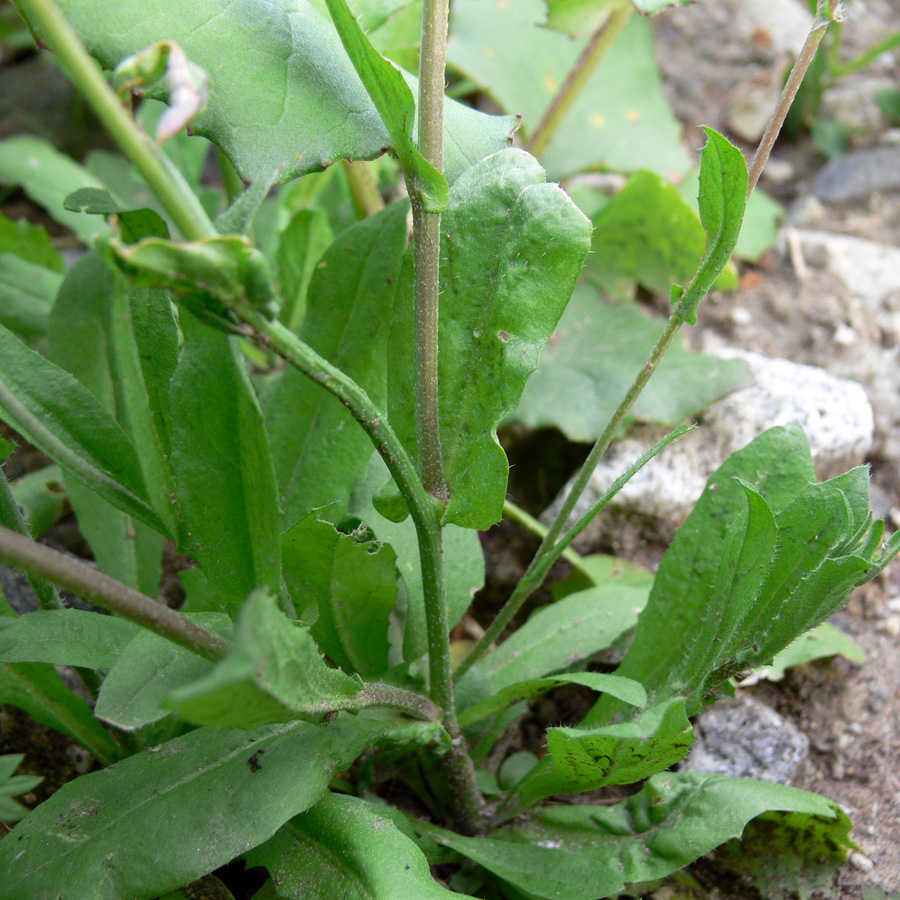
<point>723,197</point>
<point>14,786</point>
<point>395,104</point>
<point>136,223</point>
<point>274,672</point>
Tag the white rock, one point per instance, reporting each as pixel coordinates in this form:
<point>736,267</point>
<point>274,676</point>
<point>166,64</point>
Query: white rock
<point>871,273</point>
<point>780,25</point>
<point>834,412</point>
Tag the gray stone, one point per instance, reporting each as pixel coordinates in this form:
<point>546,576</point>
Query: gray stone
<point>834,413</point>
<point>747,739</point>
<point>857,175</point>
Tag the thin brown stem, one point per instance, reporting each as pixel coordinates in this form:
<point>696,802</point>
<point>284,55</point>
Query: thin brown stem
<point>23,553</point>
<point>597,47</point>
<point>823,19</point>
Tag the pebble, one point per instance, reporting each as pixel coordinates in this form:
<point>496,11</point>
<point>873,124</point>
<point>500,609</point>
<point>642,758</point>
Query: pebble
<point>892,626</point>
<point>860,861</point>
<point>748,739</point>
<point>857,175</point>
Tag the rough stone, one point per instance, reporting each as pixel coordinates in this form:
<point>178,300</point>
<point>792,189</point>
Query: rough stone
<point>834,413</point>
<point>747,739</point>
<point>853,102</point>
<point>857,175</point>
<point>870,272</point>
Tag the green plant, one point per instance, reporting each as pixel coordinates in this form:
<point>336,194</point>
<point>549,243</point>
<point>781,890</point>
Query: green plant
<point>311,662</point>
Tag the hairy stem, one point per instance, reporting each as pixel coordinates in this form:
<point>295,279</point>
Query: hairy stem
<point>367,199</point>
<point>23,553</point>
<point>427,240</point>
<point>520,517</point>
<point>824,17</point>
<point>179,201</point>
<point>597,47</point>
<point>412,704</point>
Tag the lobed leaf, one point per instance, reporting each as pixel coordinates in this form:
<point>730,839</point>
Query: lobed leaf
<point>512,248</point>
<point>195,803</point>
<point>274,672</point>
<point>351,587</point>
<point>283,93</point>
<point>583,852</point>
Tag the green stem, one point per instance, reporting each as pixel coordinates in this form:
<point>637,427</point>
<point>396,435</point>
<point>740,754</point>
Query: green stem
<point>601,40</point>
<point>412,704</point>
<point>824,17</point>
<point>520,517</point>
<point>367,199</point>
<point>23,553</point>
<point>163,179</point>
<point>427,240</point>
<point>234,184</point>
<point>860,62</point>
<point>552,547</point>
